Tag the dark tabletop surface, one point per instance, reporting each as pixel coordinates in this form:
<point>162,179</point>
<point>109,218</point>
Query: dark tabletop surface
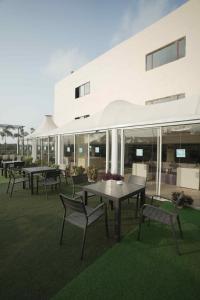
<point>37,169</point>
<point>10,162</point>
<point>111,189</point>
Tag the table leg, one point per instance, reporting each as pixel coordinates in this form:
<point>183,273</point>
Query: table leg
<point>142,198</point>
<point>24,185</point>
<point>118,220</point>
<point>31,183</point>
<point>5,171</point>
<point>85,197</point>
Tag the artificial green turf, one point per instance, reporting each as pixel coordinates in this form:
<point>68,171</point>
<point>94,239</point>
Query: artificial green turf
<point>149,269</point>
<point>32,264</point>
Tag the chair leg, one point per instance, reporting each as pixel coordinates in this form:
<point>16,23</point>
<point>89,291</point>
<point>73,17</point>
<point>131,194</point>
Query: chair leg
<point>111,204</point>
<point>83,243</point>
<point>106,220</point>
<point>12,189</point>
<point>62,231</point>
<point>179,226</point>
<point>136,209</point>
<point>8,187</point>
<point>175,238</point>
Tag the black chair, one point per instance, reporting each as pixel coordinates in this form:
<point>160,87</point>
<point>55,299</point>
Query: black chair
<point>160,215</point>
<point>51,178</point>
<point>77,182</point>
<point>140,181</point>
<point>15,179</point>
<point>1,168</point>
<point>78,214</point>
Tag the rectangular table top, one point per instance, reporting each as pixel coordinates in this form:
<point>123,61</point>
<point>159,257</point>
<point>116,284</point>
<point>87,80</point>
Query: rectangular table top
<point>37,169</point>
<point>11,162</point>
<point>110,189</point>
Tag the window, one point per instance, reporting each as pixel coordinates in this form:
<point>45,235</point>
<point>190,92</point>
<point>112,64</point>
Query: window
<point>166,54</point>
<point>82,90</point>
<point>165,99</point>
<point>81,117</point>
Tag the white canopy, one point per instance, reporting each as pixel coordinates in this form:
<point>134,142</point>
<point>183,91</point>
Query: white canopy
<point>43,130</point>
<point>121,113</point>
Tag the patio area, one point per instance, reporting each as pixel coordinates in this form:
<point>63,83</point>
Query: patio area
<point>34,266</point>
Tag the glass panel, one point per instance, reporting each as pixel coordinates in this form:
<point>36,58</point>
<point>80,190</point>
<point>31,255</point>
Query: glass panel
<point>98,151</point>
<point>181,48</point>
<point>82,150</point>
<point>38,142</point>
<point>45,151</point>
<point>68,144</point>
<point>20,147</point>
<point>81,91</point>
<point>149,62</point>
<point>181,161</point>
<point>87,88</point>
<point>165,55</point>
<point>140,156</point>
<point>29,148</point>
<point>52,150</point>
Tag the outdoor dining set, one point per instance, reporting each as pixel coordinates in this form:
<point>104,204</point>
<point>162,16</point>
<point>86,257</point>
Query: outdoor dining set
<point>76,209</point>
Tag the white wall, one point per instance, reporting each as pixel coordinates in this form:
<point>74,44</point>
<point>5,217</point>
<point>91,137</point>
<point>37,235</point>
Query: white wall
<point>120,73</point>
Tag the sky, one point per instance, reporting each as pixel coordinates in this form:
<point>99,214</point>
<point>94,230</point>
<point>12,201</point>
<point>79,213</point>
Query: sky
<point>41,41</point>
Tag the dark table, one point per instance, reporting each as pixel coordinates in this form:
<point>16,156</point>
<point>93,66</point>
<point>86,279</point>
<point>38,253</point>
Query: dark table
<point>115,192</point>
<point>35,170</point>
<point>6,165</point>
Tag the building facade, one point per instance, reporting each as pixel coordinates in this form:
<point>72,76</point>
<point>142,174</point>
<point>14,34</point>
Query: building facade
<point>158,64</point>
<point>154,130</point>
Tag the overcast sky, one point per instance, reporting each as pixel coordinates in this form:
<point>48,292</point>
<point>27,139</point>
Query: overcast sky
<point>41,41</point>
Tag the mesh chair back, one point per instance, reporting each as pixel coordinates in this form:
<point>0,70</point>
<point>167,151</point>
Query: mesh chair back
<point>52,174</point>
<point>73,204</point>
<point>19,164</point>
<point>137,180</point>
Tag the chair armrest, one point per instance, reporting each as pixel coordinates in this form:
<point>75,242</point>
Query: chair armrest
<point>167,199</point>
<point>96,209</point>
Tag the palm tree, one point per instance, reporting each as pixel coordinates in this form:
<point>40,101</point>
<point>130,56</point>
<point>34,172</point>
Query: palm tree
<point>6,132</point>
<point>21,134</point>
<point>32,129</point>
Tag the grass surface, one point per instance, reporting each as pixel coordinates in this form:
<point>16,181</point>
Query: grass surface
<point>149,269</point>
<point>32,264</point>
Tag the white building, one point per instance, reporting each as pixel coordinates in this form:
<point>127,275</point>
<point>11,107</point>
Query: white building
<point>121,73</point>
<point>136,108</point>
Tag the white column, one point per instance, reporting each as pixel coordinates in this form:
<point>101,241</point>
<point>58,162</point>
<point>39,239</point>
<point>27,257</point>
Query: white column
<point>114,151</point>
<point>34,150</point>
<point>107,151</point>
<point>122,153</point>
<point>60,150</point>
<point>56,150</point>
<point>48,148</point>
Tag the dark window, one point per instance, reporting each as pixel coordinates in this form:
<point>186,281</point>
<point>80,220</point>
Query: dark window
<point>166,54</point>
<point>81,117</point>
<point>82,90</point>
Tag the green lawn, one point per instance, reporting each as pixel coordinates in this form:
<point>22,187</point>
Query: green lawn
<point>34,266</point>
<point>149,269</point>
